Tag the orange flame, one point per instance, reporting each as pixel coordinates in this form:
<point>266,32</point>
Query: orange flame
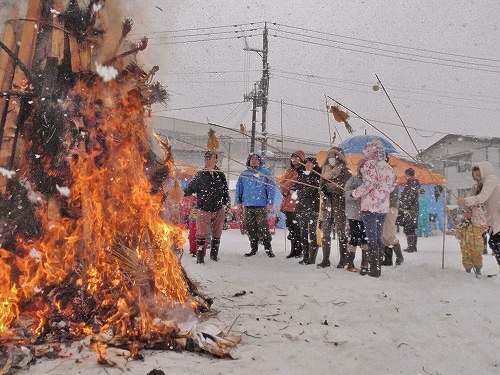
<point>118,250</point>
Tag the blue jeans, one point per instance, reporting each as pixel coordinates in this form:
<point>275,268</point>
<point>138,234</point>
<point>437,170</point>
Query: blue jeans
<point>374,223</point>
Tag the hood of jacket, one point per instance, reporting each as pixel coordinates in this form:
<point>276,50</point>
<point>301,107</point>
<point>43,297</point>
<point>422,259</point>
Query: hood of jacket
<point>374,150</point>
<point>485,168</point>
<point>261,158</point>
<point>301,154</point>
<point>361,162</point>
<point>334,152</point>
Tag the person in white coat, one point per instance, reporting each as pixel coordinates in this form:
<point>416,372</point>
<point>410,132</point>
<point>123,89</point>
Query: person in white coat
<point>489,197</point>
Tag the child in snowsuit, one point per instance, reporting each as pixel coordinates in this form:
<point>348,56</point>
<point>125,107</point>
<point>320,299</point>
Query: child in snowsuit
<point>470,231</point>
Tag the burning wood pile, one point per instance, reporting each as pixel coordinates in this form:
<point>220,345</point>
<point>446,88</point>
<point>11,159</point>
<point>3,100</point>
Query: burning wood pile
<point>84,251</point>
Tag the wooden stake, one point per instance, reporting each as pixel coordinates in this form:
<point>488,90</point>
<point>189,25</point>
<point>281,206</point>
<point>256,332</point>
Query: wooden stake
<point>57,33</point>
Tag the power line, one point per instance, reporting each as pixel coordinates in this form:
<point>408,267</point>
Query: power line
<point>198,106</point>
<point>389,44</point>
<point>390,51</point>
<point>200,40</point>
<point>371,120</point>
<point>392,56</point>
<point>205,28</point>
<point>493,109</point>
<point>200,31</point>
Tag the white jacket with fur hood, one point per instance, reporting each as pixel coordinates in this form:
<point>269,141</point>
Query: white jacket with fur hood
<point>489,195</point>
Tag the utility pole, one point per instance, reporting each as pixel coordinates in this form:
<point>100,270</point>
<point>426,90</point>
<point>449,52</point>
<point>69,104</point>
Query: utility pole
<point>264,86</point>
<point>254,119</point>
<point>259,95</point>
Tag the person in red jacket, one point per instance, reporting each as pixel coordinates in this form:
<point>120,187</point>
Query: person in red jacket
<point>289,201</point>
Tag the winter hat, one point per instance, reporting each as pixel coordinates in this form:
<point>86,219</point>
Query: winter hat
<point>300,154</point>
<point>209,154</point>
<point>410,172</point>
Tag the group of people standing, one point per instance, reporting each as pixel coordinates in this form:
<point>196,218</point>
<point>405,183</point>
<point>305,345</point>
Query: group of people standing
<point>360,210</point>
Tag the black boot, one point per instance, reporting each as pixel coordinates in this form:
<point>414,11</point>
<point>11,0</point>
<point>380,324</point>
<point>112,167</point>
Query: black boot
<point>269,250</point>
<point>414,243</point>
<point>399,254</point>
<point>313,251</point>
<point>387,256</point>
<point>254,246</point>
<point>343,255</point>
<point>214,249</point>
<point>295,249</point>
<point>374,259</point>
<point>411,239</point>
<point>364,260</point>
<point>305,259</point>
<point>200,251</point>
<point>351,255</point>
<point>326,256</point>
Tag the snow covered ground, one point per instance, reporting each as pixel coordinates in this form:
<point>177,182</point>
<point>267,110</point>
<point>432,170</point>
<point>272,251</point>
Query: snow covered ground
<point>418,318</point>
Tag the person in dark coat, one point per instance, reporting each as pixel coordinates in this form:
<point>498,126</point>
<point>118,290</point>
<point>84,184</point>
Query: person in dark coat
<point>334,175</point>
<point>408,210</point>
<point>289,201</point>
<point>306,190</point>
<point>212,193</point>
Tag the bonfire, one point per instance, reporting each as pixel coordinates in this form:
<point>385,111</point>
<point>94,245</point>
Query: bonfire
<point>85,252</point>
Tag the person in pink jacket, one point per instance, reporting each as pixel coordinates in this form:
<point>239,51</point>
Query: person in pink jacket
<point>379,180</point>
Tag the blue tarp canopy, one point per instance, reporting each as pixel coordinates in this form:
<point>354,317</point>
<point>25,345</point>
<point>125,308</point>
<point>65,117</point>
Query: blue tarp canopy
<point>355,145</point>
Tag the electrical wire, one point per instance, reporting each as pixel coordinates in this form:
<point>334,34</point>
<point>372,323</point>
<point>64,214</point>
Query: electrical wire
<point>476,68</point>
<point>390,44</point>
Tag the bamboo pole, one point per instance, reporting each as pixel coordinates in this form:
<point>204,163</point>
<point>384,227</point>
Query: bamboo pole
<point>6,67</point>
<point>25,56</point>
<point>57,49</point>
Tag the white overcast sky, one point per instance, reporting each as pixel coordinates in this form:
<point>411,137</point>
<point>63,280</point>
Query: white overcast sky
<point>439,61</point>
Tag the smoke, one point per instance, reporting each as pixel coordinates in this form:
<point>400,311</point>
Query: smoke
<point>11,9</point>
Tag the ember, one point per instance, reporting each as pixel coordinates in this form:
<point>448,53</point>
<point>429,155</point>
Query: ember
<point>84,249</point>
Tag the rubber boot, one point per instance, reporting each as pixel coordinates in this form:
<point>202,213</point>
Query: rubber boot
<point>387,256</point>
<point>326,256</point>
<point>214,249</point>
<point>294,250</point>
<point>374,260</point>
<point>298,246</point>
<point>343,255</point>
<point>305,258</point>
<point>364,260</point>
<point>414,243</point>
<point>399,254</point>
<point>313,251</point>
<point>200,251</point>
<point>254,246</point>
<point>351,254</point>
<point>269,250</point>
<point>411,239</point>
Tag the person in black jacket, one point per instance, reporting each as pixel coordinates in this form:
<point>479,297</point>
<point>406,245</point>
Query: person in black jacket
<point>212,193</point>
<point>408,210</point>
<point>306,190</point>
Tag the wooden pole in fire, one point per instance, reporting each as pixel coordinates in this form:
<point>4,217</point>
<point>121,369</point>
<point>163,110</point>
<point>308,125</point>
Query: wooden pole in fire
<point>25,56</point>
